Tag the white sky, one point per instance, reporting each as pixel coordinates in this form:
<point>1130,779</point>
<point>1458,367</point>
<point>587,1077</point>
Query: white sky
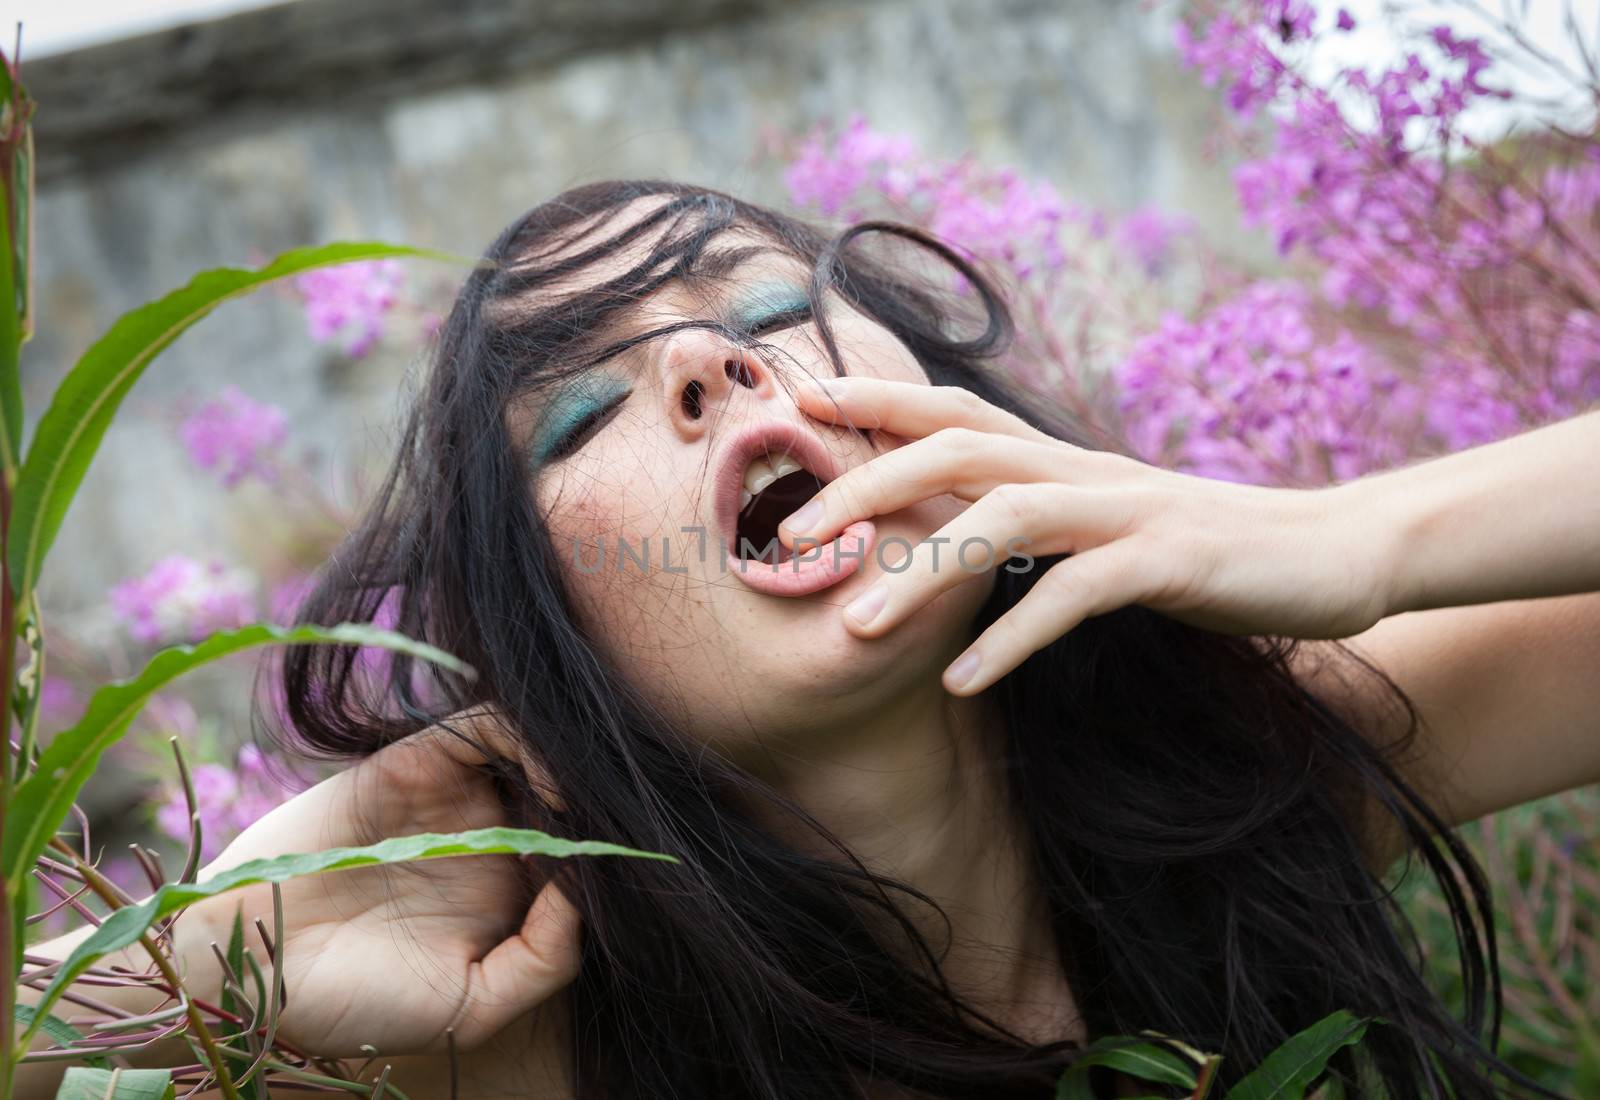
<point>1541,91</point>
<point>51,26</point>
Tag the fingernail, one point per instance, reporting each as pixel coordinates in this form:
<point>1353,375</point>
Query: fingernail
<point>962,669</point>
<point>829,386</point>
<point>805,518</point>
<point>865,607</point>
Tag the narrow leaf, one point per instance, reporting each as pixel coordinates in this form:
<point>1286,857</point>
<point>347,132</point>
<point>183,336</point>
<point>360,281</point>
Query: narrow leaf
<point>116,1084</point>
<point>1144,1061</point>
<point>45,798</point>
<point>11,314</point>
<point>71,428</point>
<point>127,924</point>
<point>1287,1072</point>
<point>235,956</point>
<point>64,1034</point>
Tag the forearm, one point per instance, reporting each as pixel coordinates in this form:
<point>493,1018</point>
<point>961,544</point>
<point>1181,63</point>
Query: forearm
<point>1515,519</point>
<point>40,1080</point>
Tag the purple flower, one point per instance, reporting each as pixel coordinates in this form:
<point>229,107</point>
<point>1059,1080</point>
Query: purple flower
<point>828,177</point>
<point>352,298</point>
<point>235,436</point>
<point>58,699</point>
<point>1148,234</point>
<point>1252,392</point>
<point>996,217</point>
<point>181,598</point>
<point>227,798</point>
<point>1227,50</point>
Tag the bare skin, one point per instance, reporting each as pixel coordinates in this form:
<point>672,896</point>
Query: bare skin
<point>1387,561</point>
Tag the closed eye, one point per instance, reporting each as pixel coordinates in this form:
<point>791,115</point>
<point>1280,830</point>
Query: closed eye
<point>584,428</point>
<point>782,319</point>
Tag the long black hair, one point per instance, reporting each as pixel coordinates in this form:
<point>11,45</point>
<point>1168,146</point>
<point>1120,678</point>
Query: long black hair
<point>1200,823</point>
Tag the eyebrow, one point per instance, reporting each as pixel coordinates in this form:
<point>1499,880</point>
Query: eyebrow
<point>713,266</point>
<point>709,270</point>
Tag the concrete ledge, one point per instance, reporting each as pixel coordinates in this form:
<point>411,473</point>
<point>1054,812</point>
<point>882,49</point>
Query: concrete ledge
<point>105,104</point>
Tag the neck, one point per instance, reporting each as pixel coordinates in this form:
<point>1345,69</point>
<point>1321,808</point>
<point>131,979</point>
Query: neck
<point>918,796</point>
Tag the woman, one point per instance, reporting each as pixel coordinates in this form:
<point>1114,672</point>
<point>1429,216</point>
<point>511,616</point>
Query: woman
<point>941,814</point>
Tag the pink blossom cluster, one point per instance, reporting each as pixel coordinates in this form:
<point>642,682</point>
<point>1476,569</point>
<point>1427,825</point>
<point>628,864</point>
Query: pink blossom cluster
<point>1020,227</point>
<point>183,599</point>
<point>1231,47</point>
<point>839,178</point>
<point>1253,391</point>
<point>1488,273</point>
<point>235,436</point>
<point>1149,235</point>
<point>228,798</point>
<point>1377,206</point>
<point>352,298</point>
<point>996,216</point>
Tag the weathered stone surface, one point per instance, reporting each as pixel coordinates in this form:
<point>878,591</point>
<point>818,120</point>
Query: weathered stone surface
<point>436,123</point>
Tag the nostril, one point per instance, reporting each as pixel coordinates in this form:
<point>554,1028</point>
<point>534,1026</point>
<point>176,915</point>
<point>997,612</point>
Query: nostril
<point>738,371</point>
<point>692,404</point>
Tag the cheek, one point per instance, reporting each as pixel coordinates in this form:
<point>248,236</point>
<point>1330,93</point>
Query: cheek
<point>608,532</point>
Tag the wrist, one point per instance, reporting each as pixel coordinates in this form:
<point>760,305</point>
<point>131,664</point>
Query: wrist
<point>1384,540</point>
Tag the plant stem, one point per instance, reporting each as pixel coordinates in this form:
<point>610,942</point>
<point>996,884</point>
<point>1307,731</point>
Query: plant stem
<point>197,1024</point>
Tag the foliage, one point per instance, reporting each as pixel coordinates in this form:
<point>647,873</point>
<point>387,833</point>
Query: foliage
<point>39,785</point>
<point>1430,291</point>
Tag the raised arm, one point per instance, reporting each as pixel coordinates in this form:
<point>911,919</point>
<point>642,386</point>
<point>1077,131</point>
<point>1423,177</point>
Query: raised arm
<point>1508,691</point>
<point>1492,620</point>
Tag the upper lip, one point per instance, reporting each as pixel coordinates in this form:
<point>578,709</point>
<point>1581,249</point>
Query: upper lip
<point>768,437</point>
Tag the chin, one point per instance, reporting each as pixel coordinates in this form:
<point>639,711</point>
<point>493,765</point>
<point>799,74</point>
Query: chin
<point>814,677</point>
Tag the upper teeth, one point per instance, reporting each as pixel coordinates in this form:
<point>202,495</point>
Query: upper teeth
<point>763,472</point>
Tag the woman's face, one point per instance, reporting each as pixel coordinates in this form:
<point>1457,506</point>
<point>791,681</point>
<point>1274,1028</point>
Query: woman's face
<point>656,469</point>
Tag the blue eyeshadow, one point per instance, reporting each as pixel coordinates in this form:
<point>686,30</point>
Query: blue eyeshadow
<point>765,301</point>
<point>574,404</point>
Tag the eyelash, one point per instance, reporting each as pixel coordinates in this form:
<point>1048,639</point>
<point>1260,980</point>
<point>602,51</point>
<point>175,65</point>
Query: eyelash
<point>591,423</point>
<point>583,429</point>
<point>786,318</point>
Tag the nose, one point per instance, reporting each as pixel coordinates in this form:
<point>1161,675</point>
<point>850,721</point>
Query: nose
<point>704,372</point>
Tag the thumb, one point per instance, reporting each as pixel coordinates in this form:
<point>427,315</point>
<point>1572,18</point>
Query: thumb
<point>523,970</point>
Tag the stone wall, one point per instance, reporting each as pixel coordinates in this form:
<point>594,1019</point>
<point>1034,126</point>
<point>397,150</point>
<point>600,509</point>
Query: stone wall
<point>436,123</point>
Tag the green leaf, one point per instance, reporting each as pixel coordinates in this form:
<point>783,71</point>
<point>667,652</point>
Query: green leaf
<point>127,924</point>
<point>1287,1072</point>
<point>116,1084</point>
<point>72,427</point>
<point>12,309</point>
<point>58,1029</point>
<point>44,799</point>
<point>251,1089</point>
<point>235,957</point>
<point>1142,1060</point>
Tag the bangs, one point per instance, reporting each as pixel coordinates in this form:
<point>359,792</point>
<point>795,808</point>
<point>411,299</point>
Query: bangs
<point>575,292</point>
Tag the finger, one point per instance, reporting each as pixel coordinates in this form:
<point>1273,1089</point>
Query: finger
<point>522,971</point>
<point>472,737</point>
<point>1012,521</point>
<point>909,409</point>
<point>1086,584</point>
<point>476,737</point>
<point>961,461</point>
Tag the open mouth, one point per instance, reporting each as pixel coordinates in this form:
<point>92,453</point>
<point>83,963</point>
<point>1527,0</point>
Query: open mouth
<point>768,471</point>
<point>775,485</point>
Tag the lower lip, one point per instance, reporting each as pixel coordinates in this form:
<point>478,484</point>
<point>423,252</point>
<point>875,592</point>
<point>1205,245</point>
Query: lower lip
<point>812,569</point>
